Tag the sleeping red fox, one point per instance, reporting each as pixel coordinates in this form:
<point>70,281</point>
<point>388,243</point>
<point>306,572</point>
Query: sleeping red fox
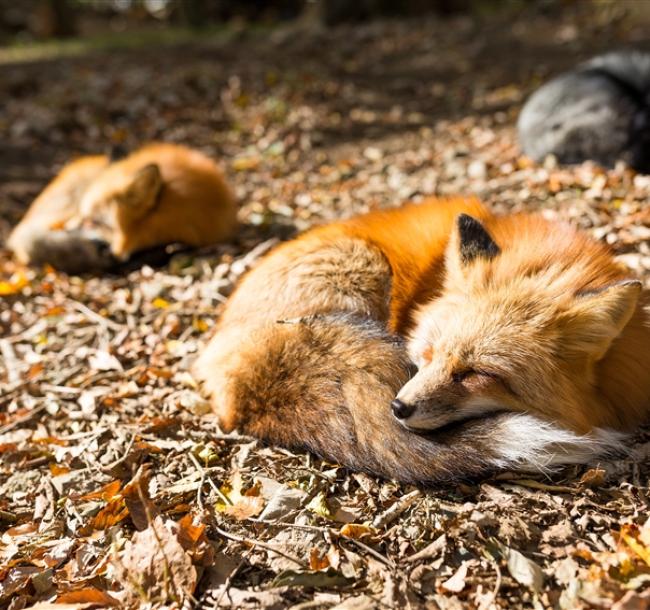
<point>97,212</point>
<point>532,345</point>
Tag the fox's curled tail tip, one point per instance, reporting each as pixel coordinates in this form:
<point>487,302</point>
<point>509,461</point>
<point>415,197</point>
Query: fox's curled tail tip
<point>528,443</point>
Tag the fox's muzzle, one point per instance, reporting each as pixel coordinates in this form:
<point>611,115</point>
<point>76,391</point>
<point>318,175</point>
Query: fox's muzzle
<point>401,410</point>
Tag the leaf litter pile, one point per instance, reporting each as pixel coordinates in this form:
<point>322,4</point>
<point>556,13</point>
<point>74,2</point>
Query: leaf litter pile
<point>117,488</point>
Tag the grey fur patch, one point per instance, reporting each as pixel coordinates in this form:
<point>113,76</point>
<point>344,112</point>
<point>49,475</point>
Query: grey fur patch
<point>597,111</point>
<point>71,251</point>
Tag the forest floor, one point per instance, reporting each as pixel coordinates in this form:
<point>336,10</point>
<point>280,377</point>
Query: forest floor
<point>117,487</point>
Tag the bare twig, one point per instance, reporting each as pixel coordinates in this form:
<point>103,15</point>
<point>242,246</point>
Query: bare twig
<point>101,320</point>
<point>22,420</point>
<point>262,545</point>
<point>389,515</point>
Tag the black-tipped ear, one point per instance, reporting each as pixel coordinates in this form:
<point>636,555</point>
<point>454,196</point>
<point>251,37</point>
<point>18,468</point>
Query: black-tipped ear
<point>474,240</point>
<point>117,152</point>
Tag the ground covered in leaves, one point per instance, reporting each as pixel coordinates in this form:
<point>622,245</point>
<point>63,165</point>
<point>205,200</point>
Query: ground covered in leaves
<point>117,487</point>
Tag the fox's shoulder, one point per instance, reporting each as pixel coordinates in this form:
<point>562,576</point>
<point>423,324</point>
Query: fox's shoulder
<point>170,158</point>
<point>66,187</point>
<point>77,172</point>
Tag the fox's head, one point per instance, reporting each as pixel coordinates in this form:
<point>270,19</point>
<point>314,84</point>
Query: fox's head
<point>517,327</point>
<point>116,200</point>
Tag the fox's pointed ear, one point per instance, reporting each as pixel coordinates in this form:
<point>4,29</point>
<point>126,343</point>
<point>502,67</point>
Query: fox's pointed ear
<point>474,241</point>
<point>142,192</point>
<point>469,242</point>
<point>598,316</point>
<point>117,152</point>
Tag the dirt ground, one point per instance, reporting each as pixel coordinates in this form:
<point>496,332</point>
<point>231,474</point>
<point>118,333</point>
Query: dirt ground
<point>116,486</point>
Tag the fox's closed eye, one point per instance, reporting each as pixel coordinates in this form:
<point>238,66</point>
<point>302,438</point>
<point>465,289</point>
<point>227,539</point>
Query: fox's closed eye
<point>460,376</point>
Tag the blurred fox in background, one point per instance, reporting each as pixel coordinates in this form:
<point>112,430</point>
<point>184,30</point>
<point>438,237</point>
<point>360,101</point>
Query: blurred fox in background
<point>531,345</point>
<point>99,212</point>
<point>599,111</point>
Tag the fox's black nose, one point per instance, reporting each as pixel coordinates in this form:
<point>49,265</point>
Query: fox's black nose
<point>401,410</point>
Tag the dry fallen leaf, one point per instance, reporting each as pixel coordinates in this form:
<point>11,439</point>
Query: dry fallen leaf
<point>242,504</point>
<point>456,583</point>
<point>154,567</point>
<point>357,531</point>
<point>141,508</point>
<point>525,571</point>
<point>87,595</point>
<point>594,477</point>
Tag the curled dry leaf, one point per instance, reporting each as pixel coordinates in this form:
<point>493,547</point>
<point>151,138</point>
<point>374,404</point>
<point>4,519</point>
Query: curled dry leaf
<point>525,571</point>
<point>318,561</point>
<point>594,477</point>
<point>357,531</point>
<point>456,583</point>
<point>138,502</point>
<point>192,536</point>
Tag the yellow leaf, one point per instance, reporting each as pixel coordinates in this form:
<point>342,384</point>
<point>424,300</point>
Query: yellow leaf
<point>200,325</point>
<point>237,504</point>
<point>242,164</point>
<point>15,284</point>
<point>639,549</point>
<point>318,505</point>
<point>160,303</point>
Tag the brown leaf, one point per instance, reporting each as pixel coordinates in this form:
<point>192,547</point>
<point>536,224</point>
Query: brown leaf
<point>191,535</point>
<point>318,561</point>
<point>141,508</point>
<point>154,567</point>
<point>594,477</point>
<point>87,595</point>
<point>107,492</point>
<point>114,512</point>
<point>16,580</point>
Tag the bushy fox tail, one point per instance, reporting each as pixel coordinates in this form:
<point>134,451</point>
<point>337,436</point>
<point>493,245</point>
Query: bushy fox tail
<point>325,383</point>
<point>71,251</point>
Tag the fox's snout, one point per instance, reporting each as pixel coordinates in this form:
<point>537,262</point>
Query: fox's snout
<point>423,402</point>
<point>424,416</point>
<point>428,401</point>
<point>401,410</point>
